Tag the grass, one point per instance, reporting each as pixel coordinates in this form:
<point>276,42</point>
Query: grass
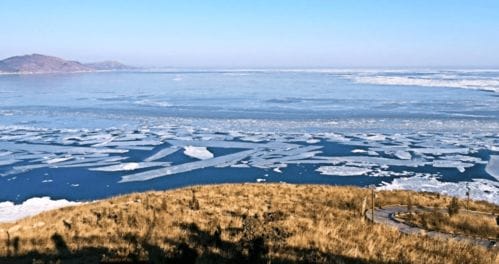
<point>246,223</point>
<point>462,223</point>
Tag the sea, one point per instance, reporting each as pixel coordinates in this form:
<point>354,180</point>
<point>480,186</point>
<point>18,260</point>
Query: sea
<point>86,136</point>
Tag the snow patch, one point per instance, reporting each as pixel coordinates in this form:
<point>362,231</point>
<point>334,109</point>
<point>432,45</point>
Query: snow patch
<point>10,212</point>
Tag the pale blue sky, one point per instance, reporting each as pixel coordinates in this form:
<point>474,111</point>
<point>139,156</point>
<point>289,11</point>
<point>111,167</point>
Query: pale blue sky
<point>257,33</point>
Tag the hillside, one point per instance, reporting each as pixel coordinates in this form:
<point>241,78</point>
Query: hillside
<point>37,63</point>
<point>109,65</point>
<point>246,223</point>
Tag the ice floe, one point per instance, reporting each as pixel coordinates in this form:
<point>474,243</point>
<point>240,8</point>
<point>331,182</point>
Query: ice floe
<point>145,152</point>
<point>480,189</point>
<point>376,161</point>
<point>312,141</point>
<point>404,155</point>
<point>492,167</point>
<point>343,170</point>
<point>440,151</point>
<point>8,162</point>
<point>375,137</point>
<point>161,154</point>
<point>59,149</point>
<point>122,144</point>
<point>430,81</point>
<point>58,160</point>
<point>459,165</point>
<point>201,153</point>
<point>130,166</point>
<point>154,102</point>
<point>5,153</point>
<point>185,167</point>
<point>229,144</point>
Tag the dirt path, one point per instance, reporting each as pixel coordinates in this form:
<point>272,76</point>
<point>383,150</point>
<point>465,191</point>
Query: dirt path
<point>386,215</point>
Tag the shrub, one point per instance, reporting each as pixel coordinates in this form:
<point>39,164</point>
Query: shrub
<point>194,203</point>
<point>453,207</point>
<point>409,204</point>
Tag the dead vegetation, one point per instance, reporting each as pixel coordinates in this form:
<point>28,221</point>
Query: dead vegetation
<point>246,223</point>
<point>460,223</point>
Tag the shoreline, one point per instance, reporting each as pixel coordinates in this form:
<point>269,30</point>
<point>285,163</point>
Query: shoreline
<point>11,212</point>
<point>60,73</point>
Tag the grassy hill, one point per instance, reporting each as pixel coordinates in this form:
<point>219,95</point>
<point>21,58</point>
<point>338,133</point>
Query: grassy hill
<point>245,223</point>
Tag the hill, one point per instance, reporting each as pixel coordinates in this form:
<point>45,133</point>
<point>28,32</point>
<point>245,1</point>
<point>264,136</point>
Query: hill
<point>37,63</point>
<point>109,65</point>
<point>246,223</point>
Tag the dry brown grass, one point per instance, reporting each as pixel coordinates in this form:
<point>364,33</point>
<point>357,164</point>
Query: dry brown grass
<point>463,223</point>
<point>228,223</point>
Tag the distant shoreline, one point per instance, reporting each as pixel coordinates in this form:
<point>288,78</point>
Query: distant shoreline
<point>61,72</point>
<point>38,63</point>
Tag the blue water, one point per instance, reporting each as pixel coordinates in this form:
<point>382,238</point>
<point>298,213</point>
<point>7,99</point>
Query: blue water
<point>284,105</point>
<point>254,95</point>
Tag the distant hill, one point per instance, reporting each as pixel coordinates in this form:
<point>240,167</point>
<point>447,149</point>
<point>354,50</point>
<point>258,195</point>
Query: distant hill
<point>37,63</point>
<point>109,65</point>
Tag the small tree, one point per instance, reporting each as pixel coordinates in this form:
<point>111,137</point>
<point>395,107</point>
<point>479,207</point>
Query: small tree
<point>453,207</point>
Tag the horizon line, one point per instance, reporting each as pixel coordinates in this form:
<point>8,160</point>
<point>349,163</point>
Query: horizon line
<point>264,67</point>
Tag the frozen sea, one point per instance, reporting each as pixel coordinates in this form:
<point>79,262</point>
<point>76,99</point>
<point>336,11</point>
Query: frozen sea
<point>87,136</point>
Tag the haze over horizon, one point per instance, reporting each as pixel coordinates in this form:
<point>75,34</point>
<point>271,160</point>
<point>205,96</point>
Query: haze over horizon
<point>257,34</point>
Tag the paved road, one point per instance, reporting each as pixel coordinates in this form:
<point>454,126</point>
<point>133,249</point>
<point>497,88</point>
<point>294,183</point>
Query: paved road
<point>386,214</point>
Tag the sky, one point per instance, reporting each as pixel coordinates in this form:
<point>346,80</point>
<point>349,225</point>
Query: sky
<point>257,33</point>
